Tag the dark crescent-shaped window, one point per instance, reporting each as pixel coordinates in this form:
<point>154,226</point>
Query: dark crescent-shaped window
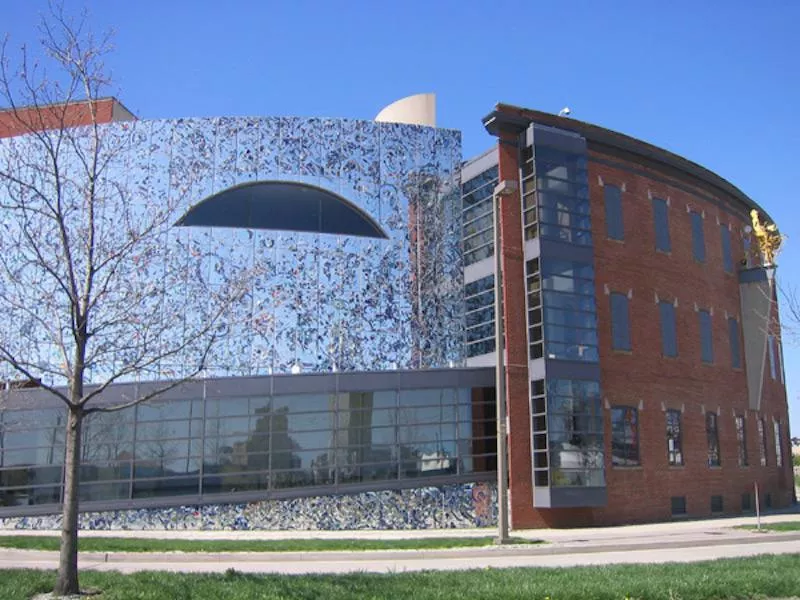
<point>284,206</point>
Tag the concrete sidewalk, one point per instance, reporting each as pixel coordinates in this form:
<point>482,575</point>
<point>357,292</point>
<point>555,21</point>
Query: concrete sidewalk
<point>653,543</point>
<point>654,550</point>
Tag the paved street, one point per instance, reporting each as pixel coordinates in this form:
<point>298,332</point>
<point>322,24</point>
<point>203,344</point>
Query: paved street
<point>658,543</point>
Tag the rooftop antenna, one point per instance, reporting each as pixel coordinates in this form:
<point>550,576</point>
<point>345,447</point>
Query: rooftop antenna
<point>564,112</point>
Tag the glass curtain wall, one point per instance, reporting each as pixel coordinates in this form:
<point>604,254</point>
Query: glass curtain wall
<point>264,443</point>
<point>567,418</point>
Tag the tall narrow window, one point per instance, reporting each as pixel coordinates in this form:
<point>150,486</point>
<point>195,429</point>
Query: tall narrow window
<point>741,438</point>
<point>674,447</point>
<point>698,238</point>
<point>706,343</point>
<point>613,200</point>
<point>661,223</point>
<point>773,367</point>
<point>712,435</point>
<point>762,441</point>
<point>669,340</point>
<point>727,256</point>
<point>733,337</point>
<point>624,436</point>
<point>778,447</point>
<point>620,322</point>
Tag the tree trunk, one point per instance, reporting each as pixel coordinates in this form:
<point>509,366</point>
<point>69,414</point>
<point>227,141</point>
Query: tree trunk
<point>67,582</point>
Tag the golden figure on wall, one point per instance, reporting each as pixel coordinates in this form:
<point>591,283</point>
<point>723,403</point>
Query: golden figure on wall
<point>768,237</point>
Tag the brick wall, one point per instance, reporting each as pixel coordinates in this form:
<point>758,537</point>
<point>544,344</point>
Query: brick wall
<point>54,116</point>
<point>644,378</point>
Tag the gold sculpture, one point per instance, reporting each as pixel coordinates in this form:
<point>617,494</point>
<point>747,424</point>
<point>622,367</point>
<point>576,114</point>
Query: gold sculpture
<point>768,238</point>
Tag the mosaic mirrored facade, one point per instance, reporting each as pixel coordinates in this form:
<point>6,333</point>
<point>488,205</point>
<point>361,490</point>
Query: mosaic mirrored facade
<point>315,302</point>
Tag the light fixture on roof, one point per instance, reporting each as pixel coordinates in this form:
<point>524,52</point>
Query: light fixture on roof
<point>564,112</point>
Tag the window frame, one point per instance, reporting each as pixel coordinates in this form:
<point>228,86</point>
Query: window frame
<point>698,237</point>
<point>712,438</point>
<point>674,331</point>
<point>727,249</point>
<point>674,434</point>
<point>663,241</point>
<point>620,330</point>
<point>734,342</point>
<point>741,438</point>
<point>630,459</point>
<point>615,222</point>
<point>704,319</point>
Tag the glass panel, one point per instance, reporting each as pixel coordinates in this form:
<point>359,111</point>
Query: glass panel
<point>620,325</point>
<point>674,444</point>
<point>698,239</point>
<point>706,343</point>
<point>624,436</point>
<point>712,435</point>
<point>773,371</point>
<point>235,482</point>
<point>153,488</point>
<point>727,256</point>
<point>733,337</point>
<point>661,223</point>
<point>575,433</point>
<point>778,445</point>
<point>613,204</point>
<point>669,340</point>
<point>741,437</point>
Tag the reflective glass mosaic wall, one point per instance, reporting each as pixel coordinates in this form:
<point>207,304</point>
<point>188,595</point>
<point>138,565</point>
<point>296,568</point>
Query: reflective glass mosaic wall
<point>316,302</point>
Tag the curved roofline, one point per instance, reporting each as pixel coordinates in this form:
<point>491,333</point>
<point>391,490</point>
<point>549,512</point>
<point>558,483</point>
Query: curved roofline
<point>515,119</point>
<point>418,109</point>
<point>380,232</point>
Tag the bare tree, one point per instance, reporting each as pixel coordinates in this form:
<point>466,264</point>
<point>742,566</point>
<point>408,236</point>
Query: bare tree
<point>87,297</point>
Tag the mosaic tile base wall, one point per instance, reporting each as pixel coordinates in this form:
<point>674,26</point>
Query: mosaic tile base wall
<point>447,507</point>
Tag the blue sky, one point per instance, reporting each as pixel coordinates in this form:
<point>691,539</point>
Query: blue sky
<point>716,81</point>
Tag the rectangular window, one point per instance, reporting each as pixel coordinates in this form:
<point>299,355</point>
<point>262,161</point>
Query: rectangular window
<point>624,436</point>
<point>727,256</point>
<point>778,448</point>
<point>661,223</point>
<point>706,343</point>
<point>733,338</point>
<point>669,339</point>
<point>747,502</point>
<point>716,504</point>
<point>773,371</point>
<point>620,322</point>
<point>712,435</point>
<point>613,200</point>
<point>741,437</point>
<point>762,441</point>
<point>698,238</point>
<point>674,448</point>
<point>678,505</point>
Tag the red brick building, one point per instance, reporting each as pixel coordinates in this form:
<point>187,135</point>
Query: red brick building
<point>55,116</point>
<point>644,372</point>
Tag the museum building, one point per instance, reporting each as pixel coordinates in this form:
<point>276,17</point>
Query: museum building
<point>643,366</point>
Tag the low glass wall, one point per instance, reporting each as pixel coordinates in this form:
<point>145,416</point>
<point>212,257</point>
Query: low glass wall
<point>197,443</point>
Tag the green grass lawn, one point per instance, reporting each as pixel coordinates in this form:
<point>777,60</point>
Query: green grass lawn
<point>788,526</point>
<point>98,544</point>
<point>757,577</point>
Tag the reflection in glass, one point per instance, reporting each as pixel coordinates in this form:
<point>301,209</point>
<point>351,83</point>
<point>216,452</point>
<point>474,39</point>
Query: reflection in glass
<point>280,442</point>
